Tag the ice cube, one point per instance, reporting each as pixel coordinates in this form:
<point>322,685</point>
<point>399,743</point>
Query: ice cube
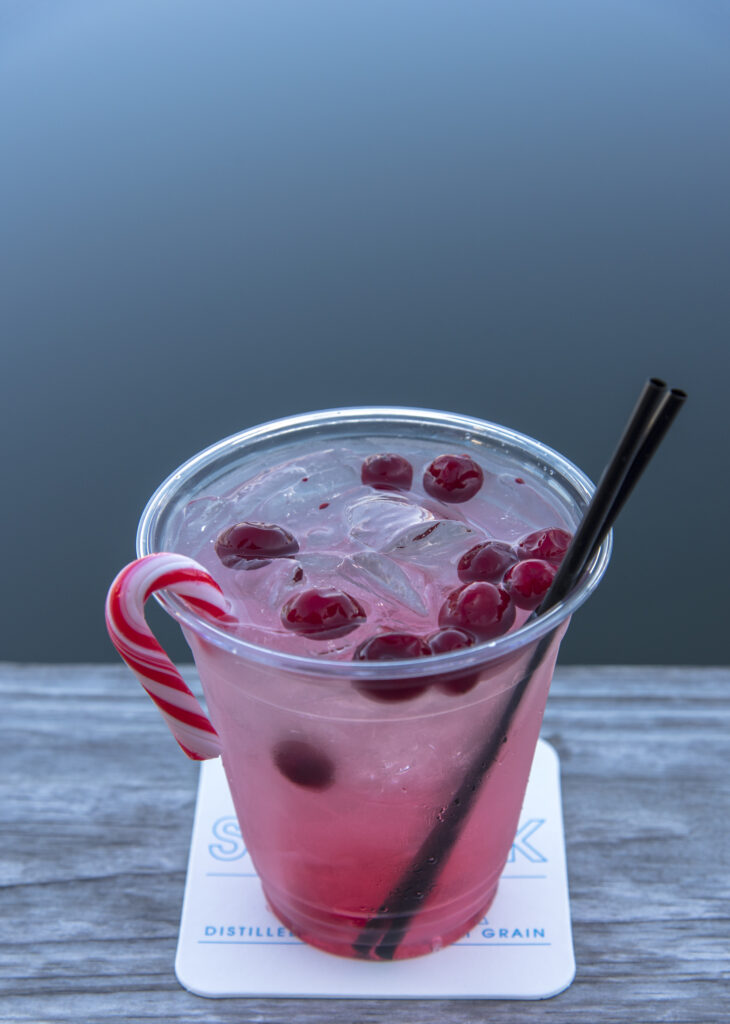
<point>379,574</point>
<point>203,518</point>
<point>319,567</point>
<point>520,504</point>
<point>250,496</point>
<point>433,544</point>
<point>304,496</point>
<point>377,519</point>
<point>265,589</point>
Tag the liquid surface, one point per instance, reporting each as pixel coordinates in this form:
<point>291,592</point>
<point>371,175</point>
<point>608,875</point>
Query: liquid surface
<point>353,521</point>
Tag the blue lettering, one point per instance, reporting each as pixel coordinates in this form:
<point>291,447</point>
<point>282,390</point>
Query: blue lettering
<point>513,933</point>
<point>520,844</point>
<point>210,929</point>
<point>230,847</point>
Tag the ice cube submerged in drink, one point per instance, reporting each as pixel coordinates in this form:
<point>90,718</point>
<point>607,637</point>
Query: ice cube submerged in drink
<point>372,579</point>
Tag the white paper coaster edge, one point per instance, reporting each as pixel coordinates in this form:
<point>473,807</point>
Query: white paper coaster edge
<point>523,949</point>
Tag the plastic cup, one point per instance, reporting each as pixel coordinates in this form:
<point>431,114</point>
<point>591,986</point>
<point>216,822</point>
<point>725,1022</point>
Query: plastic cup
<point>336,792</point>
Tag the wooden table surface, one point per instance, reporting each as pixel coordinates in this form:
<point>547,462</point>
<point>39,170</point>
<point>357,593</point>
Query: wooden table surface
<point>97,807</point>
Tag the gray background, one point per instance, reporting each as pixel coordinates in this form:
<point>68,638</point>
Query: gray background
<point>216,213</point>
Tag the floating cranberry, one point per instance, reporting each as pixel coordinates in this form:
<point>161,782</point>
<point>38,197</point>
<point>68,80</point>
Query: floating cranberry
<point>480,608</point>
<point>391,647</point>
<point>453,478</point>
<point>528,581</point>
<point>322,613</point>
<point>442,642</point>
<point>387,472</point>
<point>449,639</point>
<point>488,561</point>
<point>303,764</point>
<point>549,545</point>
<point>253,545</point>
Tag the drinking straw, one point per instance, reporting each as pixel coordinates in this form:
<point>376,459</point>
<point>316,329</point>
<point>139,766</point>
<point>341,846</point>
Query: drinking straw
<point>592,527</point>
<point>667,405</point>
<point>670,405</point>
<point>649,422</point>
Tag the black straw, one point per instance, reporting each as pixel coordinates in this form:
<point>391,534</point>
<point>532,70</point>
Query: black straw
<point>652,416</point>
<point>592,526</point>
<point>670,405</point>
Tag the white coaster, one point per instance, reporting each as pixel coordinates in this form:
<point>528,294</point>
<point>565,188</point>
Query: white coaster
<point>230,944</point>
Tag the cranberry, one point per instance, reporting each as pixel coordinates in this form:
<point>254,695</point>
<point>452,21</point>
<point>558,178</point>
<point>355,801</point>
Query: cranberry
<point>391,647</point>
<point>303,764</point>
<point>252,545</point>
<point>488,561</point>
<point>528,581</point>
<point>387,472</point>
<point>452,639</point>
<point>453,478</point>
<point>480,608</point>
<point>322,613</point>
<point>449,639</point>
<point>550,545</point>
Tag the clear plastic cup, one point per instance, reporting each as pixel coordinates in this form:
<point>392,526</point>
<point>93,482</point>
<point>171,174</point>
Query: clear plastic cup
<point>379,828</point>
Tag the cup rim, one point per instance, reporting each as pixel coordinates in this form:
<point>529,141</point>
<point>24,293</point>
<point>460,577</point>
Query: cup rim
<point>481,654</point>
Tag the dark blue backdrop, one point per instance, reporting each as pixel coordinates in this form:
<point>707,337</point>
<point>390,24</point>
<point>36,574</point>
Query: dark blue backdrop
<point>215,213</point>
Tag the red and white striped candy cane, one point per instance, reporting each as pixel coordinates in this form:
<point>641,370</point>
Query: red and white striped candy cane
<point>133,638</point>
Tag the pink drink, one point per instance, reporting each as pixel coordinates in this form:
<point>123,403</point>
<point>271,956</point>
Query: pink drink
<point>340,768</point>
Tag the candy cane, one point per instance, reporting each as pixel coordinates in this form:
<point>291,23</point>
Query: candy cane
<point>133,638</point>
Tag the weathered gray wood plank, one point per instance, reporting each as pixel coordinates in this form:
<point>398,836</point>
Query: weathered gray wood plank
<point>97,804</point>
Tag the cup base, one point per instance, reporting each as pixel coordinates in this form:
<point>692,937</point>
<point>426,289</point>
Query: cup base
<point>339,935</point>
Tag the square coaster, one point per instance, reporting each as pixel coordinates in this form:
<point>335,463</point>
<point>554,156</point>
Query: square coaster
<point>230,944</point>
